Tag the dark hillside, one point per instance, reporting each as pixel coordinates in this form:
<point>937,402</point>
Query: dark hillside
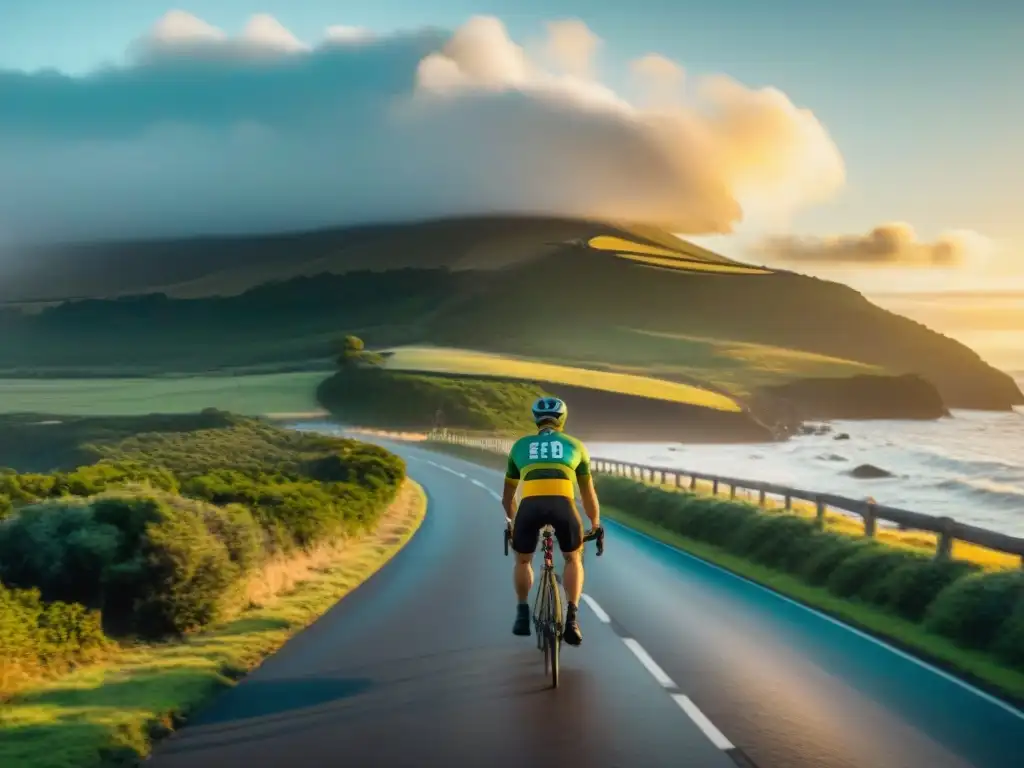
<point>542,294</point>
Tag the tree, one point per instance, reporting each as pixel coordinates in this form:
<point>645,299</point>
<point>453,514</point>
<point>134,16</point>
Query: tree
<point>351,353</point>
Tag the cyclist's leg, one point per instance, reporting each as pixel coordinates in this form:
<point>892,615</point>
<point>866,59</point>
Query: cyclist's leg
<point>525,536</point>
<point>569,531</point>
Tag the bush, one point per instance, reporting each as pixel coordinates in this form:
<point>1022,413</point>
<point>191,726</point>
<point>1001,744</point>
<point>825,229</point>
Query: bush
<point>155,562</point>
<point>181,576</point>
<point>776,541</point>
<point>910,588</point>
<point>857,575</point>
<point>971,611</point>
<point>832,550</point>
<point>6,508</point>
<point>717,522</point>
<point>1009,645</point>
<point>36,634</point>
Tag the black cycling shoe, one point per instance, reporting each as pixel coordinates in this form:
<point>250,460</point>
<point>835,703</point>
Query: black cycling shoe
<point>522,625</point>
<point>572,634</point>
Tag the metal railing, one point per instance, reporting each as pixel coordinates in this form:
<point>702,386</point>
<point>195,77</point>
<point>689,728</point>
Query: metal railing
<point>946,529</point>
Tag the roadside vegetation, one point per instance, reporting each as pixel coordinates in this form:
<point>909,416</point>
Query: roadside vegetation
<point>137,544</point>
<point>965,616</point>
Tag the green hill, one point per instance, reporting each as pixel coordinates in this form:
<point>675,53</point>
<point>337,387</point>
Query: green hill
<point>527,287</point>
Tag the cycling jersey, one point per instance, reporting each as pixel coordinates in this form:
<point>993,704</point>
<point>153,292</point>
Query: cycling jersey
<point>546,464</point>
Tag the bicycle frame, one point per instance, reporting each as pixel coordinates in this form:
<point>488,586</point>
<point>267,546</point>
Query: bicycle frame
<point>548,618</point>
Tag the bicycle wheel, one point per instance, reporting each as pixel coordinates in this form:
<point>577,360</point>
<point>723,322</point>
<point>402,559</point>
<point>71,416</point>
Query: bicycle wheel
<point>540,612</point>
<point>554,633</point>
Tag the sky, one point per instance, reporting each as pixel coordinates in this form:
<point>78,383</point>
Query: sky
<point>909,178</point>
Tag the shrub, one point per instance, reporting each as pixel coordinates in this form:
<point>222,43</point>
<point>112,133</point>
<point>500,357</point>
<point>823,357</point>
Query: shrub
<point>1009,645</point>
<point>718,521</point>
<point>832,549</point>
<point>972,610</point>
<point>6,508</point>
<point>910,588</point>
<point>58,547</point>
<point>857,575</point>
<point>36,634</point>
<point>180,577</point>
<point>775,541</point>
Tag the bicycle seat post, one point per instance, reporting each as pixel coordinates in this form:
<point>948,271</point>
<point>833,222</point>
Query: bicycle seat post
<point>548,549</point>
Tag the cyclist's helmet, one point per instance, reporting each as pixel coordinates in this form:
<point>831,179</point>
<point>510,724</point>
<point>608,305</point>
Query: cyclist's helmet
<point>549,410</point>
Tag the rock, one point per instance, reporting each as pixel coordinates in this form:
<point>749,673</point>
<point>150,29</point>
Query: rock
<point>869,472</point>
<point>842,436</point>
<point>832,457</point>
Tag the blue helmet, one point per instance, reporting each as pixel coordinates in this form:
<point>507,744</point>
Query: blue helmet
<point>549,409</point>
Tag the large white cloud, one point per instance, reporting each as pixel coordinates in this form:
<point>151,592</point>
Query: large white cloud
<point>204,132</point>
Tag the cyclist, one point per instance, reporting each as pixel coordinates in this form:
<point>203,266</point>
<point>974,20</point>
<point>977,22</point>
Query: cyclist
<point>543,466</point>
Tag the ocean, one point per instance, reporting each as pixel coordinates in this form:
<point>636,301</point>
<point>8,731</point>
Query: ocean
<point>969,467</point>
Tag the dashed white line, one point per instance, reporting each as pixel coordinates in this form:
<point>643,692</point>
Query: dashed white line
<point>699,719</point>
<point>702,722</point>
<point>603,617</point>
<point>831,620</point>
<point>651,664</point>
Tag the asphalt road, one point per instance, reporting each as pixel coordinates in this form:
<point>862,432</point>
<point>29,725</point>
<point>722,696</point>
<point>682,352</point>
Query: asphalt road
<point>682,664</point>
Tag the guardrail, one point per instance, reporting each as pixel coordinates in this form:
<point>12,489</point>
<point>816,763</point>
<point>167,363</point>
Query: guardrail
<point>946,529</point>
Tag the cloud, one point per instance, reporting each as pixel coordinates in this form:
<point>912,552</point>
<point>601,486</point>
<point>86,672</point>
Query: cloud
<point>894,244</point>
<point>660,79</point>
<point>200,132</point>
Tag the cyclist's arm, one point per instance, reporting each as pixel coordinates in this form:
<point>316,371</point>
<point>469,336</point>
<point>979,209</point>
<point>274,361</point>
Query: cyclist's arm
<point>588,494</point>
<point>508,492</point>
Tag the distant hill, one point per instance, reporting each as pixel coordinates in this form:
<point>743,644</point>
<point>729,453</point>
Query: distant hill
<point>528,287</point>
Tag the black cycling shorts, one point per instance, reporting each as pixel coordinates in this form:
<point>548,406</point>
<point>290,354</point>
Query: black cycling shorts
<point>534,512</point>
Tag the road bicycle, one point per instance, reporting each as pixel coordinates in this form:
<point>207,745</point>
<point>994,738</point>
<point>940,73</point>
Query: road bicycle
<point>548,616</point>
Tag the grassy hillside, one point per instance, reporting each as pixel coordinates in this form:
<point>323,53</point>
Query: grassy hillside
<point>252,395</point>
<point>469,363</point>
<point>526,287</point>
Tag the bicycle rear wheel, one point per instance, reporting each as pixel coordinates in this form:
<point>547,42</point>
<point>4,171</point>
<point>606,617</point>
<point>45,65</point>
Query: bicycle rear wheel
<point>554,632</point>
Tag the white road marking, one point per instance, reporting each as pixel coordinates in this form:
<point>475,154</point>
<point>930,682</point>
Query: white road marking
<point>700,720</point>
<point>864,635</point>
<point>698,717</point>
<point>597,609</point>
<point>651,664</point>
<point>449,469</point>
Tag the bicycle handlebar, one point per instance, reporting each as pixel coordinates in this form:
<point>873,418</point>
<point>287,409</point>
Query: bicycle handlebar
<point>594,534</point>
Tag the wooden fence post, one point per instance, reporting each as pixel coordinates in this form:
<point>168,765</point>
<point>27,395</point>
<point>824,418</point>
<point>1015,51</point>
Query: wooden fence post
<point>732,491</point>
<point>679,479</point>
<point>693,482</point>
<point>870,519</point>
<point>819,519</point>
<point>789,502</point>
<point>760,497</point>
<point>944,545</point>
<point>714,487</point>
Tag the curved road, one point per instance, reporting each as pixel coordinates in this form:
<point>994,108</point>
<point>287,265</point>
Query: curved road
<point>682,664</point>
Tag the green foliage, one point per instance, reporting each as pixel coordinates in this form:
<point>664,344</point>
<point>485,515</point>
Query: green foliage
<point>952,598</point>
<point>911,587</point>
<point>1010,644</point>
<point>163,531</point>
<point>856,576</point>
<point>36,634</point>
<point>33,442</point>
<point>418,401</point>
<point>972,610</point>
<point>6,507</point>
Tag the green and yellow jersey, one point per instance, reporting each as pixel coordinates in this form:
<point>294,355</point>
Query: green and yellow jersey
<point>547,464</point>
